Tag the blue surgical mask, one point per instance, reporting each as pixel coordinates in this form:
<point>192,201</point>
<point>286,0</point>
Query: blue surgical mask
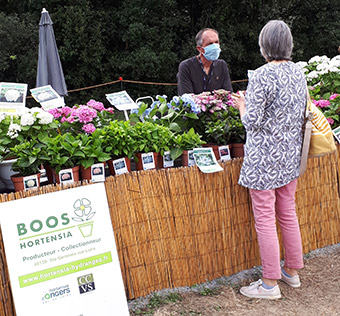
<point>212,52</point>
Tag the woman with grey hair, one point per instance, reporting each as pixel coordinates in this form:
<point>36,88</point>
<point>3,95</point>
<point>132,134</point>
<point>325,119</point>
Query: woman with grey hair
<point>272,113</point>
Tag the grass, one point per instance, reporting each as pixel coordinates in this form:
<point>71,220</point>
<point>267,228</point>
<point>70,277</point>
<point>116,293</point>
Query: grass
<point>157,301</point>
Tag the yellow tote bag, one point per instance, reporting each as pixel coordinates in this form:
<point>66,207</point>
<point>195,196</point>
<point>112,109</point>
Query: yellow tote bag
<point>318,137</point>
<point>322,140</point>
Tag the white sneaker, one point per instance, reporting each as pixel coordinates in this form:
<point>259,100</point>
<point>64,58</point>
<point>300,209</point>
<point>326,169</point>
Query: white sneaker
<point>256,290</point>
<point>293,281</point>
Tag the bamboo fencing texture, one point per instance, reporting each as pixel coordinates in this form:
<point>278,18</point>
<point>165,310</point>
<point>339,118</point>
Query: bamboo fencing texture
<point>179,227</point>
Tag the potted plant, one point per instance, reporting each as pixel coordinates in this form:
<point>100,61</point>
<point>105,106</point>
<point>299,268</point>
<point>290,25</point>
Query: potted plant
<point>237,133</point>
<point>151,141</point>
<point>120,145</point>
<point>29,157</point>
<point>17,129</point>
<point>82,118</point>
<point>94,153</point>
<point>183,143</point>
<point>64,152</point>
<point>179,114</point>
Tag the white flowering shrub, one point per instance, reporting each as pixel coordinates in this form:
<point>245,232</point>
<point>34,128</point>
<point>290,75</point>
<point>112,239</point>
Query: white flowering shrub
<point>323,78</point>
<point>323,75</point>
<point>28,126</point>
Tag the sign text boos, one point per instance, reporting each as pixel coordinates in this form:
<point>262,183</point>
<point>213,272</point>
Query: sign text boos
<point>29,231</point>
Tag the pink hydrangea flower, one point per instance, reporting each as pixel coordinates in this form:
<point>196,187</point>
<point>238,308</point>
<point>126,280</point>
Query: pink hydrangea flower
<point>88,128</point>
<point>330,121</point>
<point>321,103</point>
<point>66,110</point>
<point>55,112</point>
<point>99,106</point>
<point>110,110</point>
<point>86,114</point>
<point>333,96</point>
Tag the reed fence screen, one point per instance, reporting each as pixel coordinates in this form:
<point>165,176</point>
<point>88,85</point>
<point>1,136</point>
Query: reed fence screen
<point>179,227</point>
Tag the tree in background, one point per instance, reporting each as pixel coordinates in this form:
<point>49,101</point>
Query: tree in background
<point>145,40</point>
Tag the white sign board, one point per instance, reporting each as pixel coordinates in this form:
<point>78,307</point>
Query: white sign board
<point>61,254</point>
<point>121,100</point>
<point>47,97</point>
<point>12,97</point>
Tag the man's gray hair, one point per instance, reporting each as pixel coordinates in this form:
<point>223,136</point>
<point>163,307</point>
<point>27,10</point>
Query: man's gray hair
<point>276,41</point>
<point>200,33</point>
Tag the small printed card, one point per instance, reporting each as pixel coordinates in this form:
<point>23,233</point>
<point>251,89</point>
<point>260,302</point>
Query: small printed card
<point>206,161</point>
<point>47,97</point>
<point>121,100</point>
<point>336,133</point>
<point>191,159</point>
<point>98,172</point>
<point>224,152</point>
<point>31,182</point>
<point>66,176</point>
<point>167,161</point>
<point>120,166</point>
<point>12,97</point>
<point>148,161</point>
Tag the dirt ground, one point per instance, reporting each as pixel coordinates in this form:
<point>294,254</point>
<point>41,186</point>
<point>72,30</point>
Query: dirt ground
<point>318,295</point>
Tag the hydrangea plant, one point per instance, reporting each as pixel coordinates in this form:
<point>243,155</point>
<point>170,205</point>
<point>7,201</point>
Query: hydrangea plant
<point>323,78</point>
<point>82,118</point>
<point>25,127</point>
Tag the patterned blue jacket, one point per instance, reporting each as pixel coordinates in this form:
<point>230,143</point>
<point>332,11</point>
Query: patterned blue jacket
<point>275,107</point>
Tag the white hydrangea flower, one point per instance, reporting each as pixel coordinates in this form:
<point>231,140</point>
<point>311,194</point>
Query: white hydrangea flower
<point>302,64</point>
<point>312,75</point>
<point>323,72</point>
<point>12,95</point>
<point>337,57</point>
<point>27,119</point>
<point>319,59</point>
<point>13,130</point>
<point>335,62</point>
<point>322,67</point>
<point>45,117</point>
<point>2,116</point>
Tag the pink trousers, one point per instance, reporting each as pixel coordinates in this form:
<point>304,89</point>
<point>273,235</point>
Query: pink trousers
<point>270,204</point>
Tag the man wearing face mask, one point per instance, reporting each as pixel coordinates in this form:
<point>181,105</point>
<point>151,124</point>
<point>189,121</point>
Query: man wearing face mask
<point>204,72</point>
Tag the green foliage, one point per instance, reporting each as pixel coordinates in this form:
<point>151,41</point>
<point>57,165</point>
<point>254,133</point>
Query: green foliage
<point>185,141</point>
<point>178,114</point>
<point>151,137</point>
<point>18,129</point>
<point>118,140</point>
<point>157,301</point>
<point>93,148</point>
<point>29,156</point>
<point>63,151</point>
<point>145,40</point>
<point>19,39</point>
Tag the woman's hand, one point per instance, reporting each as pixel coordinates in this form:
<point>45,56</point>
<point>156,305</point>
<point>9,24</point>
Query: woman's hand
<point>239,102</point>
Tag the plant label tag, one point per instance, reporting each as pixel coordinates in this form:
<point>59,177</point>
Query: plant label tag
<point>98,172</point>
<point>47,97</point>
<point>31,182</point>
<point>206,160</point>
<point>167,161</point>
<point>224,152</point>
<point>120,166</point>
<point>148,161</point>
<point>66,176</point>
<point>336,133</point>
<point>191,159</point>
<point>12,97</point>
